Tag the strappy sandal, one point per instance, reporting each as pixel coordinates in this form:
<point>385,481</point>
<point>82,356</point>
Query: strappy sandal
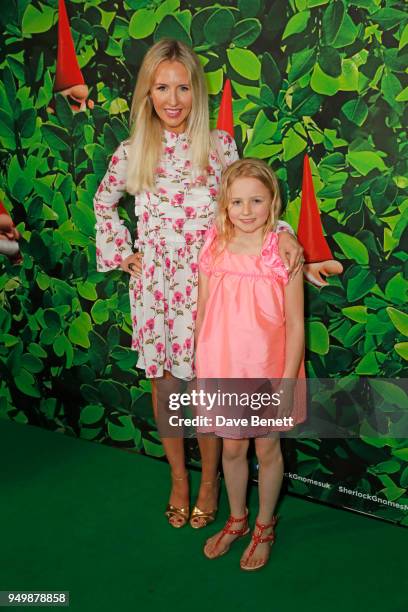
<point>202,518</point>
<point>180,514</point>
<point>258,539</point>
<point>227,530</point>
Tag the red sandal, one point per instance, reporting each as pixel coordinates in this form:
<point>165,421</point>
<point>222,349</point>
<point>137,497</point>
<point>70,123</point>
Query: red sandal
<point>258,539</point>
<point>227,530</point>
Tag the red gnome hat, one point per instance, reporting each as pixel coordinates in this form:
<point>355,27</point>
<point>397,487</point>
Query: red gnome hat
<point>310,230</point>
<point>3,211</point>
<point>68,72</point>
<point>225,119</point>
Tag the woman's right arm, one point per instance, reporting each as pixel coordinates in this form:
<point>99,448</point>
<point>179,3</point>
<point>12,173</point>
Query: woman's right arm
<point>113,240</point>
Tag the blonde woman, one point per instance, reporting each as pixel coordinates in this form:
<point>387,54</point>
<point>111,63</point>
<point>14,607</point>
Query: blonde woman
<point>172,164</point>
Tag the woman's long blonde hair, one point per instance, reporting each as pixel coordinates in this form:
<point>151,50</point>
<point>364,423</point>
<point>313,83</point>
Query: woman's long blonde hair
<point>145,147</point>
<point>245,168</point>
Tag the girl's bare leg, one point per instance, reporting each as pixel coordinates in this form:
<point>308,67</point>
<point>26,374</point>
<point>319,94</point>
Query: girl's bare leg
<point>270,462</point>
<point>174,449</point>
<point>235,464</point>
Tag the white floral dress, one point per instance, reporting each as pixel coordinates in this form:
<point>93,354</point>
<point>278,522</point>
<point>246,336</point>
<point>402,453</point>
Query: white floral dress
<point>171,223</point>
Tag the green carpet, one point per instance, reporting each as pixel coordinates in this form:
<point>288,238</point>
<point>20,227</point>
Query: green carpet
<point>87,518</point>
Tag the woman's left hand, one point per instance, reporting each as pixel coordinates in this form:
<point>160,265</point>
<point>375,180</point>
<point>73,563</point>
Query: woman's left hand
<point>291,253</point>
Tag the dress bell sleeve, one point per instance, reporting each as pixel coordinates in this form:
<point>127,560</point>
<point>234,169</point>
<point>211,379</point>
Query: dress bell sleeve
<point>113,240</point>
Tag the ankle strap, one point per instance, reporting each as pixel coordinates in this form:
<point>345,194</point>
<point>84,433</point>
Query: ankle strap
<point>210,482</point>
<point>233,519</point>
<point>179,477</point>
<point>257,537</point>
<point>271,524</point>
<point>227,527</point>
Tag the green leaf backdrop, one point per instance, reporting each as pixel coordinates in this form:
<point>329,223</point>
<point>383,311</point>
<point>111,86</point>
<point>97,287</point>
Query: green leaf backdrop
<point>317,76</point>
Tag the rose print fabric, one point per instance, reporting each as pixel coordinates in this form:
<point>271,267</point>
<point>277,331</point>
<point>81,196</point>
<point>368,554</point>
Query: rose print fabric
<point>171,223</point>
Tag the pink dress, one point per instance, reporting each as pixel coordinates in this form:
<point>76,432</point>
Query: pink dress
<point>243,331</point>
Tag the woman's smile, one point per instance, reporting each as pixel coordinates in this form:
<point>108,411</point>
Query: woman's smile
<point>171,95</point>
<point>173,112</point>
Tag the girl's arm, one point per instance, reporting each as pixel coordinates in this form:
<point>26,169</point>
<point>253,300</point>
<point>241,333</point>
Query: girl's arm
<point>113,241</point>
<point>295,327</point>
<point>201,303</point>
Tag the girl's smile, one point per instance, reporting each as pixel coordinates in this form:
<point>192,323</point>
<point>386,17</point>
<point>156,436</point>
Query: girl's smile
<point>249,205</point>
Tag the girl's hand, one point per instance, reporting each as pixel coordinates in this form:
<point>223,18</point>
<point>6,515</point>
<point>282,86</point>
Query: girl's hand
<point>133,265</point>
<point>287,392</point>
<point>291,253</point>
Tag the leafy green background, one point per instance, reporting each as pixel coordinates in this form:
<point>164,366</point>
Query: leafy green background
<point>327,78</point>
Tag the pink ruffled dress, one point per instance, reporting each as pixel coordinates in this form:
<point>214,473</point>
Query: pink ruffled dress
<point>242,335</point>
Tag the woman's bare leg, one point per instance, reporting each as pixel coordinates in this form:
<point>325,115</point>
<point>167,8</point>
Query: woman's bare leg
<point>207,499</point>
<point>174,449</point>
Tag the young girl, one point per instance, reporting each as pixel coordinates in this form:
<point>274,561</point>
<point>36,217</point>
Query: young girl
<point>249,325</point>
<point>172,164</point>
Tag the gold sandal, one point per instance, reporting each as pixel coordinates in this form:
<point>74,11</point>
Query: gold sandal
<point>172,512</point>
<point>205,516</point>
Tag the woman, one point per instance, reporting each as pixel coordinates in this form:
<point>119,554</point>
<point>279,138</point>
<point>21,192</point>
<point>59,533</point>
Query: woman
<point>172,164</point>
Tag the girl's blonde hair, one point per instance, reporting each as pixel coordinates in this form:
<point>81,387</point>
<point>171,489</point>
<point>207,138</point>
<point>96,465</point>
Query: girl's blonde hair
<point>145,147</point>
<point>245,168</point>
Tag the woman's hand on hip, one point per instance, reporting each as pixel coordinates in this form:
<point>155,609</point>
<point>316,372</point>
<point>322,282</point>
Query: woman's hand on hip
<point>291,253</point>
<point>133,265</point>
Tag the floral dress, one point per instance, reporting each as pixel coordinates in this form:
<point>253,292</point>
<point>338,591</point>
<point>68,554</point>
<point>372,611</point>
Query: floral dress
<point>171,223</point>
